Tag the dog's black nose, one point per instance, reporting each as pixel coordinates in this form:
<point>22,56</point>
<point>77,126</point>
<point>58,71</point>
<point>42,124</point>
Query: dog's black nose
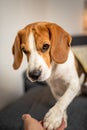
<point>34,75</point>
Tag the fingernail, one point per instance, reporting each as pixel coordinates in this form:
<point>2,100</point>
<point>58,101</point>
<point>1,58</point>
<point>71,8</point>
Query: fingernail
<point>24,116</point>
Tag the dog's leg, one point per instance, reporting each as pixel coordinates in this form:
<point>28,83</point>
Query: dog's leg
<point>54,116</point>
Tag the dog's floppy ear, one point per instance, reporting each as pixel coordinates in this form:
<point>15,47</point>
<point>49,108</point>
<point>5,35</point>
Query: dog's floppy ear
<point>60,43</point>
<point>17,52</point>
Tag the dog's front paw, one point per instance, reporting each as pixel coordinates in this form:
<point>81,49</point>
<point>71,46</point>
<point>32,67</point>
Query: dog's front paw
<point>53,118</point>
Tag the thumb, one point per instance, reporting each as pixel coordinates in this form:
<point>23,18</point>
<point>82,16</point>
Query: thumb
<point>31,123</point>
<point>26,116</point>
<point>27,120</point>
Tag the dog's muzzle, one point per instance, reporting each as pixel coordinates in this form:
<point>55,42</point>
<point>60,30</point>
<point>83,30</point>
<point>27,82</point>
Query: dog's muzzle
<point>35,74</point>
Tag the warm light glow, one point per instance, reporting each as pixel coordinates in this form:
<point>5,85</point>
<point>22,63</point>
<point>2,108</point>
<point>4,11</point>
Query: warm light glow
<point>85,20</point>
<point>85,17</point>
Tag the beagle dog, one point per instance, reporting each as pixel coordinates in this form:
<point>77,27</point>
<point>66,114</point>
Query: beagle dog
<point>48,50</point>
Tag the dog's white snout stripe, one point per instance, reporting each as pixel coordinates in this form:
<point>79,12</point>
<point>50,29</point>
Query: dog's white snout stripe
<point>36,61</point>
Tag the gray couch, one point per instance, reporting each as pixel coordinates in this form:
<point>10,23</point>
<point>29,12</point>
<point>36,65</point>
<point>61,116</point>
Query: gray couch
<point>37,101</point>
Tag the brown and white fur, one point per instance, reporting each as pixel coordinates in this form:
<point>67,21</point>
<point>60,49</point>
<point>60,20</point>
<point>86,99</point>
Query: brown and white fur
<point>50,58</point>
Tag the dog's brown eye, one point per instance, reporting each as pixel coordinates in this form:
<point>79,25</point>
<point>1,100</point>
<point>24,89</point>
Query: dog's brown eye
<point>45,47</point>
<point>25,51</point>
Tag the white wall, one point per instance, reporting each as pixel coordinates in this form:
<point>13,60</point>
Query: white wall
<point>67,13</point>
<point>15,14</point>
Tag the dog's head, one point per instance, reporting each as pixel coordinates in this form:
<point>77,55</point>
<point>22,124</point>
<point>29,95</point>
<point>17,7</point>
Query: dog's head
<point>42,43</point>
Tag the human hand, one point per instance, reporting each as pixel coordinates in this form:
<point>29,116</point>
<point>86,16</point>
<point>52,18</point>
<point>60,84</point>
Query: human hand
<point>32,124</point>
